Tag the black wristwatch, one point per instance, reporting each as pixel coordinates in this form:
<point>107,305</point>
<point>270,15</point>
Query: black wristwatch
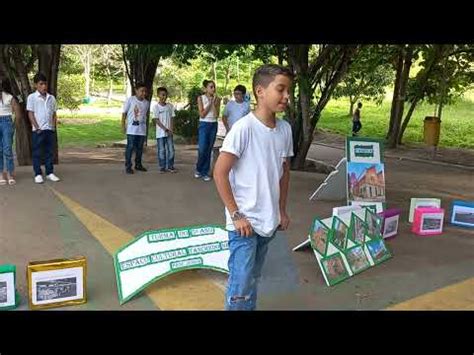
<point>236,215</point>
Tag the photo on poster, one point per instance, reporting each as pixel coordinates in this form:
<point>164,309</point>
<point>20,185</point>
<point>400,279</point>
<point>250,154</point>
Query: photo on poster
<point>55,289</point>
<point>357,259</point>
<point>374,224</point>
<point>339,233</point>
<point>391,226</point>
<point>432,222</point>
<point>7,290</point>
<point>358,229</point>
<point>422,203</point>
<point>462,213</point>
<point>378,250</point>
<point>334,269</point>
<point>319,236</point>
<point>365,182</point>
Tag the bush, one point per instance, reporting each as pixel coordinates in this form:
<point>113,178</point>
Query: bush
<point>193,94</point>
<point>186,123</point>
<point>70,91</point>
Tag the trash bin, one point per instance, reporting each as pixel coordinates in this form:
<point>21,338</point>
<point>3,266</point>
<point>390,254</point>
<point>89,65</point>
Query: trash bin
<point>86,100</point>
<point>431,131</point>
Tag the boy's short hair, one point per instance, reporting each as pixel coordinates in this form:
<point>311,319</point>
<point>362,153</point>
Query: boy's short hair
<point>359,104</point>
<point>266,73</point>
<point>160,89</point>
<point>39,77</point>
<point>140,85</point>
<point>241,88</point>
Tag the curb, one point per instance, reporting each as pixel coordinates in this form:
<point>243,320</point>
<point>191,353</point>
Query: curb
<point>433,162</point>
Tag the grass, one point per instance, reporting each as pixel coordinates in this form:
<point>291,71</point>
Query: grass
<point>457,124</point>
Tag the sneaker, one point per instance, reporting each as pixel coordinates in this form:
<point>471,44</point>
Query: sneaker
<point>162,171</point>
<point>11,181</point>
<point>140,168</point>
<point>39,179</point>
<point>52,177</point>
<point>129,171</point>
<point>3,181</point>
<point>172,170</point>
<point>197,175</point>
<point>206,178</point>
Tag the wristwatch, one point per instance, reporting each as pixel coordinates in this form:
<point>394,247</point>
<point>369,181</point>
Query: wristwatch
<point>236,215</point>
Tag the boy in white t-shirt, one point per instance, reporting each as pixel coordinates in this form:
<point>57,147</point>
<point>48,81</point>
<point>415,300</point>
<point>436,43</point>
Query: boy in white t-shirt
<point>163,114</point>
<point>235,110</point>
<point>252,176</point>
<point>135,111</point>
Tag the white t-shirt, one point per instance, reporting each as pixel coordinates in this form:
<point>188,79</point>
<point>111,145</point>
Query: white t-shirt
<point>210,117</point>
<point>255,176</point>
<point>136,109</point>
<point>165,114</point>
<point>43,109</point>
<point>236,110</point>
<point>6,104</point>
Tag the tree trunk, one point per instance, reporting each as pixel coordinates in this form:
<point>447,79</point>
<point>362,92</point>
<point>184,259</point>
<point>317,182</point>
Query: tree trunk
<point>351,105</point>
<point>214,73</point>
<point>87,73</point>
<point>396,90</point>
<point>227,78</point>
<point>111,89</point>
<point>407,55</point>
<point>407,119</point>
<point>48,64</point>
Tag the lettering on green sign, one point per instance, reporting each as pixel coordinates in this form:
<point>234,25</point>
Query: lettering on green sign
<point>204,248</point>
<point>183,234</point>
<point>159,237</point>
<point>225,245</point>
<point>186,263</point>
<point>202,231</point>
<point>168,255</point>
<point>364,150</point>
<point>134,263</point>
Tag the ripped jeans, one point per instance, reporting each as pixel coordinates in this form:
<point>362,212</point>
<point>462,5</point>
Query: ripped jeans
<point>247,255</point>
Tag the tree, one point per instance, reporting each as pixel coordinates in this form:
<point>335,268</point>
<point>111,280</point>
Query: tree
<point>110,66</point>
<point>318,70</point>
<point>368,76</point>
<point>86,54</point>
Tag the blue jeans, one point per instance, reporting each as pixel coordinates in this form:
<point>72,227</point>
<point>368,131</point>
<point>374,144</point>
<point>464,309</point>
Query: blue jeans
<point>247,255</point>
<point>356,126</point>
<point>134,143</point>
<point>207,136</point>
<point>44,140</point>
<point>165,152</point>
<point>6,143</point>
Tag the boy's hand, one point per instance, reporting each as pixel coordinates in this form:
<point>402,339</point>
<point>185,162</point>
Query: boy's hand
<point>284,221</point>
<point>244,227</point>
<point>169,131</point>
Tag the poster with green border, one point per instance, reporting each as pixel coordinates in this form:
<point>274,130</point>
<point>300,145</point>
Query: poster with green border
<point>156,254</point>
<point>357,229</point>
<point>378,250</point>
<point>9,297</point>
<point>319,236</point>
<point>339,233</point>
<point>334,268</point>
<point>357,259</point>
<point>374,224</point>
<point>364,150</point>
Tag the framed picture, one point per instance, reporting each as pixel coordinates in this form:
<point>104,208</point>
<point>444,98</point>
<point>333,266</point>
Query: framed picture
<point>334,269</point>
<point>339,233</point>
<point>374,224</point>
<point>366,182</point>
<point>364,150</point>
<point>378,250</point>
<point>422,202</point>
<point>8,296</point>
<point>428,221</point>
<point>319,236</point>
<point>357,259</point>
<point>358,229</point>
<point>390,220</point>
<point>462,213</point>
<point>57,283</point>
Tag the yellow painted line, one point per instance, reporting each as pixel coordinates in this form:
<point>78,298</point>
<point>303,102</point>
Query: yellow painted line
<point>459,296</point>
<point>183,291</point>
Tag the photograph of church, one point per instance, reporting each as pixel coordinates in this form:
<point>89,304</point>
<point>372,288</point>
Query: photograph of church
<point>366,182</point>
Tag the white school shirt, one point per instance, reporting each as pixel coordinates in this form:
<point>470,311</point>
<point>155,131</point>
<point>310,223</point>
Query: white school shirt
<point>6,104</point>
<point>210,117</point>
<point>236,110</point>
<point>255,176</point>
<point>165,114</point>
<point>43,109</point>
<point>129,107</point>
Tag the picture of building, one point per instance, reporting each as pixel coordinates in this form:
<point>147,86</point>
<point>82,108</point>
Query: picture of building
<point>3,292</point>
<point>378,250</point>
<point>357,259</point>
<point>335,268</point>
<point>340,230</point>
<point>366,182</point>
<point>319,237</point>
<point>358,230</point>
<point>54,289</point>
